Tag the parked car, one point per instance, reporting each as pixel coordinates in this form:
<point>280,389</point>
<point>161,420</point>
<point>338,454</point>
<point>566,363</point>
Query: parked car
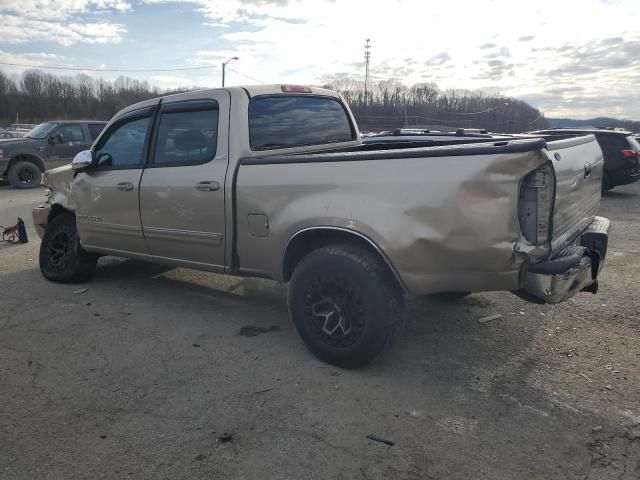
<point>19,130</point>
<point>5,134</point>
<point>273,181</point>
<point>620,149</point>
<point>50,144</point>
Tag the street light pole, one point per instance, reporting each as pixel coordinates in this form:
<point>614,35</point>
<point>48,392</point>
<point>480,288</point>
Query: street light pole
<point>224,65</point>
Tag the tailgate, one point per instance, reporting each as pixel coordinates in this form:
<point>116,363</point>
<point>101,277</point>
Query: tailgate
<point>578,165</point>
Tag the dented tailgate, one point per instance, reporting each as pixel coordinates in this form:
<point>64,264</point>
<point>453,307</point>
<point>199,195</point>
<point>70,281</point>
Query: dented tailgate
<point>578,165</point>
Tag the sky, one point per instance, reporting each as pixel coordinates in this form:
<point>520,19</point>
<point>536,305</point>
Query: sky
<point>570,58</point>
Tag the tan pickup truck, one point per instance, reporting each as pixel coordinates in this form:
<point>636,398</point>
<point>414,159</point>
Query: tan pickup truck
<point>273,181</point>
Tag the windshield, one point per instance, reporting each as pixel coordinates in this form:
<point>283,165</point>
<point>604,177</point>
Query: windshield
<point>42,130</point>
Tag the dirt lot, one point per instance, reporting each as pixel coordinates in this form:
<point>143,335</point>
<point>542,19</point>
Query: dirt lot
<point>142,375</point>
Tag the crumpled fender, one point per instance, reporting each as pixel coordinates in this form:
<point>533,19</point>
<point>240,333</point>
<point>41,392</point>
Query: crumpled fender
<point>59,180</point>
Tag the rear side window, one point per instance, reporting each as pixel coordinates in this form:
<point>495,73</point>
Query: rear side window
<point>285,121</point>
<point>612,144</point>
<point>187,137</point>
<point>95,129</point>
<point>123,145</point>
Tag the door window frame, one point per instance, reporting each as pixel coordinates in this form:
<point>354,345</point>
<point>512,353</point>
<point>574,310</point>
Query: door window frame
<point>147,112</point>
<point>179,107</point>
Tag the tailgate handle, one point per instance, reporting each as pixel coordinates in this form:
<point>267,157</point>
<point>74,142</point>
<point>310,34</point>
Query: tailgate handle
<point>587,169</point>
<point>207,186</point>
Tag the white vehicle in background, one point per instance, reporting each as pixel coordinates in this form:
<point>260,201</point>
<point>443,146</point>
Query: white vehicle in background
<point>19,130</point>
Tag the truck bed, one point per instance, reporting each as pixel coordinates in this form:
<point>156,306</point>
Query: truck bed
<point>446,216</point>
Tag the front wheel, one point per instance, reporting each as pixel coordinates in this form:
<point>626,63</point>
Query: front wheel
<point>24,175</point>
<point>345,305</point>
<point>62,259</point>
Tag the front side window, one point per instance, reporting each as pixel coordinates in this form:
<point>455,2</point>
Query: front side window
<point>123,146</point>
<point>71,133</point>
<point>186,137</point>
<point>284,121</point>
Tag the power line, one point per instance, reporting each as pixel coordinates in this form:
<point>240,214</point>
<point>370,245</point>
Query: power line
<point>76,69</point>
<point>245,76</point>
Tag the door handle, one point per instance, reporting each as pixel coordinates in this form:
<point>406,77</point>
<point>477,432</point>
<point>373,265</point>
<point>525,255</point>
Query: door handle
<point>125,186</point>
<point>207,186</point>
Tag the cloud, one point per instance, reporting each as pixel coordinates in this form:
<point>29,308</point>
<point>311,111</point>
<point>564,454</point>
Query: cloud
<point>62,21</point>
<point>526,38</point>
<point>61,9</point>
<point>20,30</point>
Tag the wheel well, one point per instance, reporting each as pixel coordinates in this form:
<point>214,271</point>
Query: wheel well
<point>27,158</point>
<point>310,240</point>
<point>57,210</point>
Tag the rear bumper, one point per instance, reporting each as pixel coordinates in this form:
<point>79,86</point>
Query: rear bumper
<point>573,270</point>
<point>625,177</point>
<point>40,216</point>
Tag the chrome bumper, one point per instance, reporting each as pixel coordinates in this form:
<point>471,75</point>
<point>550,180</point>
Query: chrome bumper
<point>40,216</point>
<point>573,270</point>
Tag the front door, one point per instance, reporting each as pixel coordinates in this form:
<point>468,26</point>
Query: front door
<point>182,188</point>
<point>73,142</point>
<point>107,208</point>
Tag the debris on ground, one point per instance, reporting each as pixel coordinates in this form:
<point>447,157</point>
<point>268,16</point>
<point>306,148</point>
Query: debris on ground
<point>80,290</point>
<point>489,318</point>
<point>596,429</point>
<point>225,437</point>
<point>252,331</point>
<point>585,377</point>
<point>380,440</point>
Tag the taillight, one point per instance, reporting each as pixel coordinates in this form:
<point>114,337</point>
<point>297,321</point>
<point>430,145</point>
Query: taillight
<point>630,153</point>
<point>535,208</point>
<point>295,89</point>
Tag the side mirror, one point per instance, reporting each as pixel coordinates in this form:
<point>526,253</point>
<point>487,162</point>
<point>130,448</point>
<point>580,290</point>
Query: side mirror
<point>82,160</point>
<point>57,138</point>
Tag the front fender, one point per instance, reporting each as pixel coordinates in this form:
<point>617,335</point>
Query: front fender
<point>59,181</point>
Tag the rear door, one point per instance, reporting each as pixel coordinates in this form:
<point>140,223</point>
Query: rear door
<point>182,188</point>
<point>107,208</point>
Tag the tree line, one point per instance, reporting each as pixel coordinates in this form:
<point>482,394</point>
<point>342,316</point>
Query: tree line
<point>37,96</point>
<point>389,104</point>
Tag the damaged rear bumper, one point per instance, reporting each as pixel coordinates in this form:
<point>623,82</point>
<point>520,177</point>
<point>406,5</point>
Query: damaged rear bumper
<point>573,270</point>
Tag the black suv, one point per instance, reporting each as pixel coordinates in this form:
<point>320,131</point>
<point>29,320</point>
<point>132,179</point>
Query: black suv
<point>620,149</point>
<point>49,145</point>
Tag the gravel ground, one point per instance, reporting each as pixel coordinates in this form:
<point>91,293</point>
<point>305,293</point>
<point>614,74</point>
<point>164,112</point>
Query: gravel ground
<point>157,373</point>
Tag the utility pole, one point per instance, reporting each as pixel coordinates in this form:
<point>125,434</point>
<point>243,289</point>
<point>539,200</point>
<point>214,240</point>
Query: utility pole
<point>224,65</point>
<point>367,56</point>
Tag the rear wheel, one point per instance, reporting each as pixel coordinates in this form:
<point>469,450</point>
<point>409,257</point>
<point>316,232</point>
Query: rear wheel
<point>62,259</point>
<point>345,305</point>
<point>24,175</point>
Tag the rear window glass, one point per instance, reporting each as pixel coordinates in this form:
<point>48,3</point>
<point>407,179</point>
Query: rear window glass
<point>291,121</point>
<point>634,143</point>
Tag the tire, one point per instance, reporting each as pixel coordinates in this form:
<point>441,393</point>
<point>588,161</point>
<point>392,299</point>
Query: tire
<point>345,305</point>
<point>25,175</point>
<point>62,259</point>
